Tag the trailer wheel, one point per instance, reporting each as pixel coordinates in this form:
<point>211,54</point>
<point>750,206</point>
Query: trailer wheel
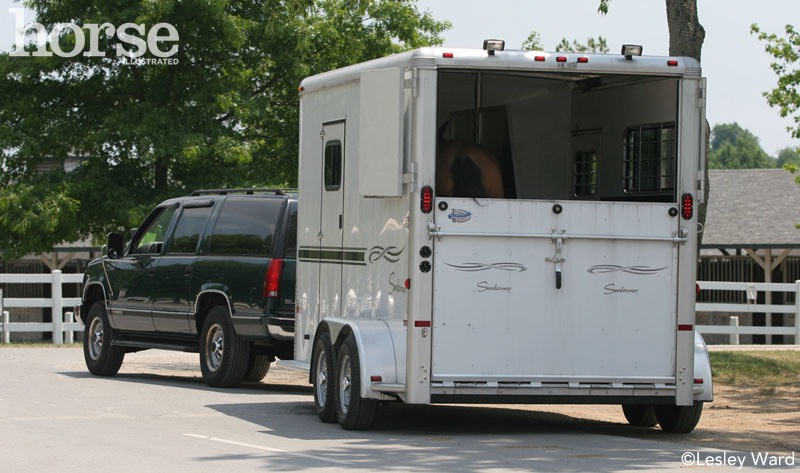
<point>679,419</point>
<point>640,416</point>
<point>352,411</point>
<point>324,378</point>
<point>102,358</point>
<point>223,355</point>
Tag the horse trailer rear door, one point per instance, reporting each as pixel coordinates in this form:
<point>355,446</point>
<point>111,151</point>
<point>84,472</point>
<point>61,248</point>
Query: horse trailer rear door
<point>546,291</point>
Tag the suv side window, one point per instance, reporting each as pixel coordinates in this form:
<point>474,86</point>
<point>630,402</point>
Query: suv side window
<point>152,238</point>
<point>246,226</point>
<point>291,232</point>
<point>188,230</point>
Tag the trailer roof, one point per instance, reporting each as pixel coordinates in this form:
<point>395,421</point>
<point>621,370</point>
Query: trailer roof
<point>752,208</point>
<point>563,62</point>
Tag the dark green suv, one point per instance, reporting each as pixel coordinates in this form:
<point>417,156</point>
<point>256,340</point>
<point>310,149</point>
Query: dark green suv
<point>212,273</point>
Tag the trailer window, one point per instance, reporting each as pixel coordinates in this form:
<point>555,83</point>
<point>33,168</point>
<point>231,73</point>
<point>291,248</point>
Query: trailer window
<point>333,165</point>
<point>585,173</point>
<point>649,161</point>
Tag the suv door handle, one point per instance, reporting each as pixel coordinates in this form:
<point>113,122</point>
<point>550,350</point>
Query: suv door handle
<point>151,273</point>
<point>187,271</point>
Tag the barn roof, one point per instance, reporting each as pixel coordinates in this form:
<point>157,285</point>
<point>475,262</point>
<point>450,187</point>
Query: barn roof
<point>752,208</point>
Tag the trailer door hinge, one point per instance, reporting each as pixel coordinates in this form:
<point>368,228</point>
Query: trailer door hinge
<point>701,95</point>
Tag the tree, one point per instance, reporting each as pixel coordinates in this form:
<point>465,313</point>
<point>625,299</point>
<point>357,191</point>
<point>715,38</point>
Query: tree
<point>733,147</point>
<point>786,53</point>
<point>592,45</point>
<point>533,43</point>
<point>788,157</point>
<point>225,115</point>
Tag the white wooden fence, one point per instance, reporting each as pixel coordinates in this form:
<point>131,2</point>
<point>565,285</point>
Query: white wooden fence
<point>62,322</point>
<point>67,324</point>
<point>751,290</point>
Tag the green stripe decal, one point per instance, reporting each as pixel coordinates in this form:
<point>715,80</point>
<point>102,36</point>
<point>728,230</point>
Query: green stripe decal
<point>332,255</point>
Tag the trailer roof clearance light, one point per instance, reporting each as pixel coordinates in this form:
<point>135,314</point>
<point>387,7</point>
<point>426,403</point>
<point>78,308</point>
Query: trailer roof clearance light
<point>408,283</point>
<point>493,45</point>
<point>539,58</point>
<point>273,277</point>
<point>698,380</point>
<point>426,204</point>
<point>561,59</point>
<point>672,63</point>
<point>447,55</point>
<point>375,379</point>
<point>687,206</point>
<point>583,60</point>
<point>630,50</point>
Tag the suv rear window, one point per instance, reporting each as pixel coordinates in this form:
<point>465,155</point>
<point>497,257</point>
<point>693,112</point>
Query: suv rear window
<point>246,226</point>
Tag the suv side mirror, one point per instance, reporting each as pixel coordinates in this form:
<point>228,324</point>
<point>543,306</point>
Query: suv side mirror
<point>115,245</point>
<point>132,232</point>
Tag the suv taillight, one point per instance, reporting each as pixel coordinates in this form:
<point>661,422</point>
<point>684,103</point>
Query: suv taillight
<point>272,279</point>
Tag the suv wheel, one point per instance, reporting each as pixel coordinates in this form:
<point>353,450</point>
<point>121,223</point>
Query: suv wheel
<point>257,367</point>
<point>102,359</point>
<point>223,355</point>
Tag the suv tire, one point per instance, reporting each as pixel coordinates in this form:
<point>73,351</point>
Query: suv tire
<point>257,367</point>
<point>223,355</point>
<point>101,357</point>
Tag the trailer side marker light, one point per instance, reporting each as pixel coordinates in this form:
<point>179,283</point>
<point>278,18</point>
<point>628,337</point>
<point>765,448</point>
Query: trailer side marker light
<point>672,63</point>
<point>583,60</point>
<point>447,55</point>
<point>698,289</point>
<point>539,58</point>
<point>375,379</point>
<point>300,89</point>
<point>422,323</point>
<point>427,200</point>
<point>408,283</point>
<point>698,381</point>
<point>561,59</point>
<point>685,327</point>
<point>687,206</point>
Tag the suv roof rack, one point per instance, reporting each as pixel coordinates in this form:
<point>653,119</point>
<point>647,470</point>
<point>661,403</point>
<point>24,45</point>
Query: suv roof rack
<point>240,191</point>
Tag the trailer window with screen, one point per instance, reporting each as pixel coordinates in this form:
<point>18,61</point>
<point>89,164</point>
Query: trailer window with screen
<point>333,165</point>
<point>556,136</point>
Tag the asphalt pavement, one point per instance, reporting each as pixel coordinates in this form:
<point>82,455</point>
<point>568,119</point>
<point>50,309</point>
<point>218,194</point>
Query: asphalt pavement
<point>157,415</point>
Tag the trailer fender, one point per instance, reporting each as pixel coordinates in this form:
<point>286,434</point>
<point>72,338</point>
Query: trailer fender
<point>702,370</point>
<point>375,349</point>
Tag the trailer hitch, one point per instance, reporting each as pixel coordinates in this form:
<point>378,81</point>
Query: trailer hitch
<point>558,239</point>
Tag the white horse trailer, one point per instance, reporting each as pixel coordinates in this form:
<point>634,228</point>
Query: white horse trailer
<point>576,285</point>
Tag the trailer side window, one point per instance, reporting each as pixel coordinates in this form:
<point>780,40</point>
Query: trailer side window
<point>649,158</point>
<point>585,173</point>
<point>333,165</point>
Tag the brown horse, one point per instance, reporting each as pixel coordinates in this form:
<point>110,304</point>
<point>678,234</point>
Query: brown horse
<point>467,170</point>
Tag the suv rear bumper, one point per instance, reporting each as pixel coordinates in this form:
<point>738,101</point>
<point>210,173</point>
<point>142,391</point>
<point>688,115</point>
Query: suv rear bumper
<point>261,328</point>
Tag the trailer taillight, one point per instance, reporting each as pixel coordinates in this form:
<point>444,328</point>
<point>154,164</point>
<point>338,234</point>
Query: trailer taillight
<point>687,206</point>
<point>561,59</point>
<point>583,60</point>
<point>426,205</point>
<point>447,55</point>
<point>408,283</point>
<point>672,63</point>
<point>539,58</point>
<point>272,279</point>
<point>698,380</point>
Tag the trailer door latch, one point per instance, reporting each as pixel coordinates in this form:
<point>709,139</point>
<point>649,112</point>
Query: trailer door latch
<point>557,259</point>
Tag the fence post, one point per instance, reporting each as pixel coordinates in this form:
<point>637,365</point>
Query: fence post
<point>4,319</point>
<point>69,317</point>
<point>58,314</point>
<point>797,314</point>
<point>735,335</point>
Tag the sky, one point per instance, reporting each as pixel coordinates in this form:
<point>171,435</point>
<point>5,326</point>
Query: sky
<point>734,61</point>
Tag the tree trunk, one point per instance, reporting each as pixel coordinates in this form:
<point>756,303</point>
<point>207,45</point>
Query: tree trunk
<point>161,174</point>
<point>686,36</point>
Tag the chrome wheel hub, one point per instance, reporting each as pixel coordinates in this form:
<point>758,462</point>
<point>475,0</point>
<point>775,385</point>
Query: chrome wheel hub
<point>215,347</point>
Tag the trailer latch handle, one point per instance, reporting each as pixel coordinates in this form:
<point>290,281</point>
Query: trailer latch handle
<point>557,259</point>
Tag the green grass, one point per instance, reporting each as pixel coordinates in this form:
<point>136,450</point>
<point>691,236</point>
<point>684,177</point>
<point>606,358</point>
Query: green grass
<point>765,369</point>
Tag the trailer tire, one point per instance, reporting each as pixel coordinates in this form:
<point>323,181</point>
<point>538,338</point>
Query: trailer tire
<point>640,416</point>
<point>352,411</point>
<point>102,358</point>
<point>679,419</point>
<point>257,367</point>
<point>324,381</point>
<point>223,355</point>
